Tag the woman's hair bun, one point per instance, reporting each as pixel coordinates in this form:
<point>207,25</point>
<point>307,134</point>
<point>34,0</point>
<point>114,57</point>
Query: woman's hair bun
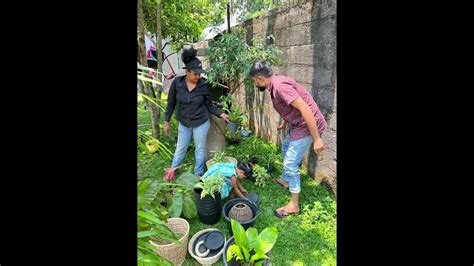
<point>188,55</point>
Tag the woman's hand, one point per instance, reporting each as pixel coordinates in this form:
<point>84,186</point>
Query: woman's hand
<point>225,117</point>
<point>166,127</point>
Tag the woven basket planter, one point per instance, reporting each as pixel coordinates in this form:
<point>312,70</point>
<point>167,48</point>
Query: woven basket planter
<point>172,252</point>
<point>208,260</point>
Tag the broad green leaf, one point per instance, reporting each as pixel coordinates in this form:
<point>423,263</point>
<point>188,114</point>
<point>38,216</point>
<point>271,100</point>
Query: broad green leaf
<point>252,237</point>
<point>189,206</point>
<point>259,263</point>
<point>266,239</point>
<point>153,259</point>
<point>150,258</point>
<point>258,256</point>
<point>246,253</point>
<point>176,205</point>
<point>187,179</point>
<point>239,234</point>
<point>234,251</point>
<point>240,238</point>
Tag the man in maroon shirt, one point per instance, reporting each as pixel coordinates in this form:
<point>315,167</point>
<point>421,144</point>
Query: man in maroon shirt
<point>297,108</point>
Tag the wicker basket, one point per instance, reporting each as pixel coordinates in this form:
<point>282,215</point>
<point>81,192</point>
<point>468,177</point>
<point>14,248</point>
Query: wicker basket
<point>172,252</point>
<point>241,212</point>
<point>229,159</point>
<point>209,260</point>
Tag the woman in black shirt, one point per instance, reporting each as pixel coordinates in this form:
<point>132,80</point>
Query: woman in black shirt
<point>193,97</point>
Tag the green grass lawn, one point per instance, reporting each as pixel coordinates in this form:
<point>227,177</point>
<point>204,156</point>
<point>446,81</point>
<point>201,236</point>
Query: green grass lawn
<point>306,239</point>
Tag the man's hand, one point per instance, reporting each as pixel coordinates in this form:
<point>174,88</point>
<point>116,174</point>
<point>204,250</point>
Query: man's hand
<point>318,146</point>
<point>225,117</point>
<point>282,125</point>
<point>166,127</point>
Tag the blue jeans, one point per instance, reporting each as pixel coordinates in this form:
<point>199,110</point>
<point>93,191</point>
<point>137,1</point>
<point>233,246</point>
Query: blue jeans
<point>293,153</point>
<point>184,138</point>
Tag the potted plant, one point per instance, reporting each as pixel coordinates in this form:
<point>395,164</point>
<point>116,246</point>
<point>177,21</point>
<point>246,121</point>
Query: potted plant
<point>269,160</point>
<point>237,201</point>
<point>208,198</point>
<point>220,157</point>
<point>233,137</point>
<point>236,116</point>
<point>161,240</point>
<point>248,247</point>
<point>261,175</point>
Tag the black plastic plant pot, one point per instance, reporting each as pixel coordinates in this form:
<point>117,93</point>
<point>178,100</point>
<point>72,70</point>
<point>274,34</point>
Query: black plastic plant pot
<point>232,126</point>
<point>231,141</point>
<point>208,208</point>
<point>270,168</point>
<point>254,198</point>
<point>233,262</point>
<point>229,204</point>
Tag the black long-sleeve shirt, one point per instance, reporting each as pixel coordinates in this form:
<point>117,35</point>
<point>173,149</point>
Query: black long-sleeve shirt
<point>194,107</point>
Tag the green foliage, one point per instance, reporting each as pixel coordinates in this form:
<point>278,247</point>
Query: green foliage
<point>261,175</point>
<point>253,146</point>
<point>245,242</point>
<point>270,159</point>
<point>237,135</point>
<point>312,233</point>
<point>248,9</point>
<point>231,57</point>
<point>182,20</point>
<point>231,107</point>
<point>146,143</point>
<point>211,185</point>
<point>151,216</point>
<point>219,157</point>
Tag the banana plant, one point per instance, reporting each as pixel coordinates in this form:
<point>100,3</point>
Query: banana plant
<point>248,241</point>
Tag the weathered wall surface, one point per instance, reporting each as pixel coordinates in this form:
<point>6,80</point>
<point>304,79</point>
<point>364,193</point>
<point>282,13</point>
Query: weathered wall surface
<point>305,31</point>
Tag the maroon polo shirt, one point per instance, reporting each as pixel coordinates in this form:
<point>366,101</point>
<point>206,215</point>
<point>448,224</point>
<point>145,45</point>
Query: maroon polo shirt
<point>283,91</point>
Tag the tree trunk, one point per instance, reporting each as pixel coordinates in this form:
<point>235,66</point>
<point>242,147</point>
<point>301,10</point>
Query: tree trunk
<point>144,87</point>
<point>159,52</point>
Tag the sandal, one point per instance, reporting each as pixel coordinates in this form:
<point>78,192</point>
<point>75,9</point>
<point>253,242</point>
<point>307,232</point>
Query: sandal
<point>282,214</point>
<point>279,181</point>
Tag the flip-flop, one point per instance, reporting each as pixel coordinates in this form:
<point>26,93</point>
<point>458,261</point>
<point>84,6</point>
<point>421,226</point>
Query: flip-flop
<point>284,214</point>
<point>277,181</point>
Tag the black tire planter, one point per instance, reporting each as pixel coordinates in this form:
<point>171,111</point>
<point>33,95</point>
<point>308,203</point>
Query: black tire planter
<point>232,262</point>
<point>208,208</point>
<point>229,204</point>
<point>232,126</point>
